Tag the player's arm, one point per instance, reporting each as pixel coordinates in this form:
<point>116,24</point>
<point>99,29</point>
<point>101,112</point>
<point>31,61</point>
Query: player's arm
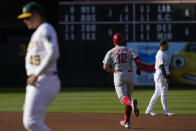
<point>162,67</point>
<point>138,64</point>
<point>107,68</point>
<point>137,61</point>
<point>52,53</point>
<point>106,63</point>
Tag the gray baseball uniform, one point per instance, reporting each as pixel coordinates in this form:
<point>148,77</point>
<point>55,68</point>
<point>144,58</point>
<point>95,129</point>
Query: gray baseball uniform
<point>120,59</point>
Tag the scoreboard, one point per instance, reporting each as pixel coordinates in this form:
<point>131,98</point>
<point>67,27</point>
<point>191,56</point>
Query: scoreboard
<point>139,22</point>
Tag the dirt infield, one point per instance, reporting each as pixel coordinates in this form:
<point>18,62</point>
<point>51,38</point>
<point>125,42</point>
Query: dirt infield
<point>102,122</point>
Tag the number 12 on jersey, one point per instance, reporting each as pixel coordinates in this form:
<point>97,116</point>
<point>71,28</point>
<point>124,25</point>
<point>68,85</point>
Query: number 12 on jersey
<point>122,58</point>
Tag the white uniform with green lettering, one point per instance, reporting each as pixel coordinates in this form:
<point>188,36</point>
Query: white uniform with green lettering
<point>42,55</point>
<point>120,59</point>
<point>161,87</point>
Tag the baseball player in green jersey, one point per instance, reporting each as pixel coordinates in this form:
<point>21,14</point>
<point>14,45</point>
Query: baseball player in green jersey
<point>161,79</point>
<point>118,62</point>
<point>43,83</point>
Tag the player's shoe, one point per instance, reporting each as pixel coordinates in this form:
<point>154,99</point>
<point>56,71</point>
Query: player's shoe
<point>134,107</point>
<point>150,112</point>
<point>169,114</point>
<point>126,125</point>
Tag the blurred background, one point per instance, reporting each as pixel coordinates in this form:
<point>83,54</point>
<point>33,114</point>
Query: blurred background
<point>85,30</point>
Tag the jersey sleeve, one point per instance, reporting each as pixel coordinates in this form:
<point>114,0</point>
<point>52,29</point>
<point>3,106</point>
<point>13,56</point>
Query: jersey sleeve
<point>132,53</point>
<point>107,58</point>
<point>49,41</point>
<point>160,60</point>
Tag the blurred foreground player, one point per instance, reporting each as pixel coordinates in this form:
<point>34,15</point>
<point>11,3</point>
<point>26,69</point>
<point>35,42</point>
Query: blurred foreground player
<point>118,62</point>
<point>43,83</point>
<point>161,79</point>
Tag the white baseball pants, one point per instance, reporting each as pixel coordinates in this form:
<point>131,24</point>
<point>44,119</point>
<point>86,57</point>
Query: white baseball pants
<point>37,100</point>
<point>161,89</point>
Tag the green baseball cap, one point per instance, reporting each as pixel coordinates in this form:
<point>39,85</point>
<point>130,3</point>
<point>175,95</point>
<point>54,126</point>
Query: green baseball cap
<point>29,9</point>
<point>164,42</point>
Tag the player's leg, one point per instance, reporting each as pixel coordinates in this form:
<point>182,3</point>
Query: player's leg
<point>121,91</point>
<point>127,114</point>
<point>128,108</point>
<point>129,94</point>
<point>36,104</point>
<point>154,98</point>
<point>124,89</point>
<point>33,112</point>
<point>164,92</point>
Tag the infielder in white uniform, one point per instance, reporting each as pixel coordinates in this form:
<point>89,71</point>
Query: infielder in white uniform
<point>43,83</point>
<point>161,79</point>
<point>118,62</point>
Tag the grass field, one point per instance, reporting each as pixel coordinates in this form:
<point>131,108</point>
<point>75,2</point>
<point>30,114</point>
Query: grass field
<point>101,100</point>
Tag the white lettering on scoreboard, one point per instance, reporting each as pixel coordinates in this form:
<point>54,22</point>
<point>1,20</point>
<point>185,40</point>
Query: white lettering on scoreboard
<point>137,22</point>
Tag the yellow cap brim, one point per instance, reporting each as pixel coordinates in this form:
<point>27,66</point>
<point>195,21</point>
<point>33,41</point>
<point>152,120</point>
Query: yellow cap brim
<point>24,15</point>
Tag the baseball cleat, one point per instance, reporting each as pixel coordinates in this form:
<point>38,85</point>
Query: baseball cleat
<point>152,113</point>
<point>169,114</point>
<point>126,125</point>
<point>134,107</point>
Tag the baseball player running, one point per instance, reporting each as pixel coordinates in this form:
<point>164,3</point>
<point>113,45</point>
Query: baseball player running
<point>43,83</point>
<point>118,62</point>
<point>161,79</point>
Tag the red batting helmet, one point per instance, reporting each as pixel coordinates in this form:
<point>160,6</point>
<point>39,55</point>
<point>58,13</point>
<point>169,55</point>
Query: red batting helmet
<point>118,39</point>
